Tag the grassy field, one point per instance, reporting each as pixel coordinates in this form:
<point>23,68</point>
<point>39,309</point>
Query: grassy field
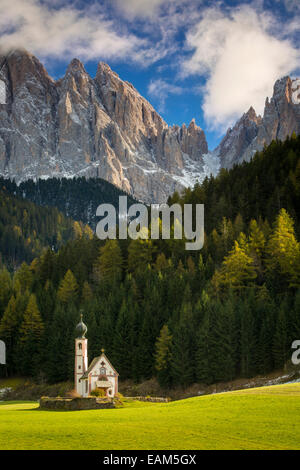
<point>261,418</point>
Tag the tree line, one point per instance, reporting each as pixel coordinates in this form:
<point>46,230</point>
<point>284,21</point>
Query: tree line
<point>230,310</point>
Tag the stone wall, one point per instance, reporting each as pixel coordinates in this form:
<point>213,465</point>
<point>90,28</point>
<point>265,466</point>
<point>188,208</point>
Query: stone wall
<point>73,404</point>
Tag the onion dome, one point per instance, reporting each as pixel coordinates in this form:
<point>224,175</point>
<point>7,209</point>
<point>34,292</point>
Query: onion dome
<point>81,328</point>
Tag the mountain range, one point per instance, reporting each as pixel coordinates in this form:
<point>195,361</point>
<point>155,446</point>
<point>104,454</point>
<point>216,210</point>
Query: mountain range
<point>102,127</point>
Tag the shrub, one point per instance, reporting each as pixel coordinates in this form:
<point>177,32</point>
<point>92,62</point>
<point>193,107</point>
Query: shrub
<point>98,392</point>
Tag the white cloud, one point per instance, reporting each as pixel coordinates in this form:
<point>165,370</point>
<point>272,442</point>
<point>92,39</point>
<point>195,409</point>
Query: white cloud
<point>160,90</point>
<point>58,29</point>
<point>241,57</point>
<point>142,8</point>
<point>139,7</point>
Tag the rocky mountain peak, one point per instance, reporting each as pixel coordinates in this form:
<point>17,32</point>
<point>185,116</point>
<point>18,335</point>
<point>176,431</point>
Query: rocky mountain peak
<point>75,66</point>
<point>22,65</point>
<point>192,126</point>
<point>105,75</point>
<point>101,127</point>
<point>280,119</point>
<point>251,114</point>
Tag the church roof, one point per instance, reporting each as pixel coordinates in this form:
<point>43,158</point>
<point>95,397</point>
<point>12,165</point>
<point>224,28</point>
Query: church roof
<point>92,365</point>
<point>90,368</point>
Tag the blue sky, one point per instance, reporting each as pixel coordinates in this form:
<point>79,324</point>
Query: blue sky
<point>202,59</point>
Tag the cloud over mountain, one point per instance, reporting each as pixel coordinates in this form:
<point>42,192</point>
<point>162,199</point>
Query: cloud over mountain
<point>242,54</point>
<point>59,29</point>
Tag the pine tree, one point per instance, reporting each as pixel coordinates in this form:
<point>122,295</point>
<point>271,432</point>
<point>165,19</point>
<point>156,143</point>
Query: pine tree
<point>122,341</point>
<point>256,247</point>
<point>238,225</point>
<point>237,270</point>
<point>24,277</point>
<point>224,341</point>
<point>163,356</point>
<point>59,364</point>
<point>5,289</point>
<point>139,255</point>
<point>248,341</point>
<point>283,250</point>
<point>184,349</point>
<point>9,320</point>
<point>8,330</point>
<point>87,293</point>
<point>280,343</point>
<point>68,289</point>
<point>31,333</point>
<point>161,263</point>
<point>295,326</point>
<point>110,262</point>
<point>203,353</point>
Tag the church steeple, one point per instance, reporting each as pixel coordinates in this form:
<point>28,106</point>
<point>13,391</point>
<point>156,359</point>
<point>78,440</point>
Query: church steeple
<point>81,328</point>
<point>81,356</point>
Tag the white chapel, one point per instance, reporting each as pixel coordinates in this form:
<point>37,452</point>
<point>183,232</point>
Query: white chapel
<point>100,374</point>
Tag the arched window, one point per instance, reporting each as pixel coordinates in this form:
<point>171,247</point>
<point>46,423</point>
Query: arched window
<point>79,346</point>
<point>102,371</point>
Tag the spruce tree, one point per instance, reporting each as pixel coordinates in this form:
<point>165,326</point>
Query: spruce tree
<point>283,251</point>
<point>31,333</point>
<point>5,289</point>
<point>68,288</point>
<point>184,349</point>
<point>203,352</point>
<point>163,356</point>
<point>237,271</point>
<point>110,262</point>
<point>280,340</point>
<point>122,351</point>
<point>248,340</point>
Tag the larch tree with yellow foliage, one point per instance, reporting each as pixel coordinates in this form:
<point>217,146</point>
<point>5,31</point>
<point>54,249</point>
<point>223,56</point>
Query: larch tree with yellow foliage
<point>68,288</point>
<point>283,250</point>
<point>237,270</point>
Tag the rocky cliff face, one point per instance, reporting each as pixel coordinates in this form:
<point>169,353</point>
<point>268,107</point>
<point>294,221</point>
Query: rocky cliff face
<point>281,118</point>
<point>101,127</point>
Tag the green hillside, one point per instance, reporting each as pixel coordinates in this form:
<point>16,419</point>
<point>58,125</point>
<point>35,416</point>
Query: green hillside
<point>228,311</point>
<point>252,190</point>
<point>77,198</point>
<point>26,229</point>
<point>261,418</point>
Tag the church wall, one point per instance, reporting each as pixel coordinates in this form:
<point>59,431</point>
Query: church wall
<point>110,374</point>
<point>81,361</point>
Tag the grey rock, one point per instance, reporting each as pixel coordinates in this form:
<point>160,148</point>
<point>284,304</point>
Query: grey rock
<point>102,127</point>
<point>251,133</point>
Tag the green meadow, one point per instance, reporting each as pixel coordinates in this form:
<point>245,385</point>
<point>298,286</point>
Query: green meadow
<point>261,418</point>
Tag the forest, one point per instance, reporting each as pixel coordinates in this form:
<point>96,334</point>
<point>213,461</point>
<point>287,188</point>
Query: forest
<point>77,198</point>
<point>26,229</point>
<point>230,310</point>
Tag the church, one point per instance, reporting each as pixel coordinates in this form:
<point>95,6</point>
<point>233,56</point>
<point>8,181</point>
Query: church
<point>99,375</point>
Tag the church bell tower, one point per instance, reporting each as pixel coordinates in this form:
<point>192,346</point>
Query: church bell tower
<point>81,355</point>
